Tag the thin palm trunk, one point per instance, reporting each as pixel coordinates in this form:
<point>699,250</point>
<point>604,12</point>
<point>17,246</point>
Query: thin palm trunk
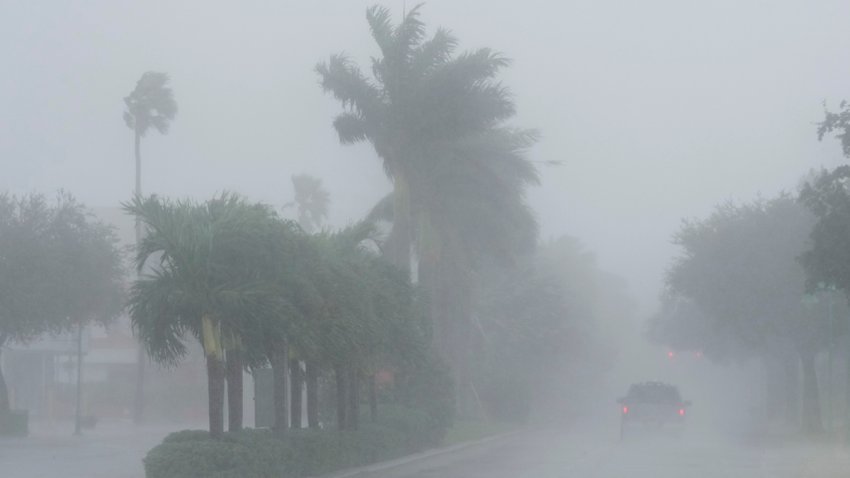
<point>792,388</point>
<point>78,412</point>
<point>341,401</point>
<point>5,406</point>
<point>234,390</point>
<point>400,236</point>
<point>296,381</point>
<point>312,380</point>
<point>811,419</point>
<point>139,400</point>
<point>353,413</point>
<point>215,390</point>
<point>279,373</point>
<point>373,398</point>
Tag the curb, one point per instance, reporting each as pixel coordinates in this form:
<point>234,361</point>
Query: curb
<point>367,470</point>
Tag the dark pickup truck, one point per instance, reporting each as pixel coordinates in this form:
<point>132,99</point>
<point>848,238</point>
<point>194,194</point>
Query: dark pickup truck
<point>653,404</point>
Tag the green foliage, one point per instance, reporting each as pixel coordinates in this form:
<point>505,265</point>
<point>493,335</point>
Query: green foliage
<point>14,423</point>
<point>425,385</point>
<point>739,288</point>
<point>828,259</point>
<point>150,104</point>
<point>58,266</point>
<point>839,122</point>
<point>297,453</point>
<point>203,459</point>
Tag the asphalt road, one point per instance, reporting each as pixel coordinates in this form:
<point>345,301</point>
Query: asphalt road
<point>116,452</point>
<point>557,454</point>
<point>112,450</point>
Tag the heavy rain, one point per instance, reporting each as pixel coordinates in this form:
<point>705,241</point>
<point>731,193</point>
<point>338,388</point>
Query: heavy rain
<point>460,239</point>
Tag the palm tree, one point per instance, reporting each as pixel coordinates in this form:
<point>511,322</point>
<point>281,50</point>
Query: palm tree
<point>437,122</point>
<point>199,281</point>
<point>312,201</point>
<point>150,104</point>
<point>422,97</point>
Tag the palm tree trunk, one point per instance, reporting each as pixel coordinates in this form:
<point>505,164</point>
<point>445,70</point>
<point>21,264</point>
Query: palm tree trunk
<point>279,372</point>
<point>215,390</point>
<point>78,412</point>
<point>296,381</point>
<point>312,373</point>
<point>373,398</point>
<point>400,236</point>
<point>234,390</point>
<point>139,399</point>
<point>341,402</point>
<point>353,399</point>
<point>5,407</point>
<point>811,419</point>
<point>792,388</point>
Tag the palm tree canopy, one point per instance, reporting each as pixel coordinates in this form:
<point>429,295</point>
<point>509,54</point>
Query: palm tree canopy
<point>201,265</point>
<point>420,93</point>
<point>311,199</point>
<point>150,104</point>
<point>437,121</point>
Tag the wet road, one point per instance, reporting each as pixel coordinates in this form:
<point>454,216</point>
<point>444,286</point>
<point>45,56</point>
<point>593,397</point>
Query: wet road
<point>112,450</point>
<point>116,453</point>
<point>553,454</point>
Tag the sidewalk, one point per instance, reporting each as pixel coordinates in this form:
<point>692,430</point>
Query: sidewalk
<point>114,449</point>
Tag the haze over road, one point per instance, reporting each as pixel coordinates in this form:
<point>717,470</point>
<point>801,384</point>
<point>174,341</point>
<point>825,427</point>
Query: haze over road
<point>555,454</point>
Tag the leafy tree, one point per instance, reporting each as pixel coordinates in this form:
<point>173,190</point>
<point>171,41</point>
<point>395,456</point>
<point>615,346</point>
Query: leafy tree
<point>837,122</point>
<point>59,268</point>
<point>150,104</point>
<point>739,267</point>
<point>200,280</point>
<point>437,122</point>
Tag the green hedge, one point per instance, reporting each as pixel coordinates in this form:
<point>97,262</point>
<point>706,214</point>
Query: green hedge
<point>297,453</point>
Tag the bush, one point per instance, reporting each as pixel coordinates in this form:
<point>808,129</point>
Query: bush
<point>202,459</point>
<point>262,454</point>
<point>14,423</point>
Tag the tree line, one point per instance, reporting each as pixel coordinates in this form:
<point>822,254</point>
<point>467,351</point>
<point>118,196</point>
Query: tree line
<point>765,280</point>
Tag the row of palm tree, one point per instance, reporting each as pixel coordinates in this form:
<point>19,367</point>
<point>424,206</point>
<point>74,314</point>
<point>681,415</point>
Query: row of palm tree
<point>255,289</point>
<point>437,119</point>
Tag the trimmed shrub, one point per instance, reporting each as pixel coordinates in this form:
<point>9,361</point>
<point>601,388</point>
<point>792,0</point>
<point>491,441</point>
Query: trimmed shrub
<point>202,459</point>
<point>297,453</point>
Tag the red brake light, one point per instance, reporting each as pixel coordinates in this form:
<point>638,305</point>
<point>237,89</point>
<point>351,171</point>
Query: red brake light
<point>682,412</point>
<point>625,410</point>
<point>670,354</point>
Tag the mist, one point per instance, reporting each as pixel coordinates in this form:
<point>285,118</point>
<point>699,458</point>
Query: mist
<point>644,120</point>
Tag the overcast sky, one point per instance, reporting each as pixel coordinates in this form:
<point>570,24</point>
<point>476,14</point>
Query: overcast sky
<point>658,109</point>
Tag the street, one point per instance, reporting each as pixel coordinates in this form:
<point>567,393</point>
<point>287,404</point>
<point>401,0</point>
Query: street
<point>112,450</point>
<point>116,450</point>
<point>557,454</point>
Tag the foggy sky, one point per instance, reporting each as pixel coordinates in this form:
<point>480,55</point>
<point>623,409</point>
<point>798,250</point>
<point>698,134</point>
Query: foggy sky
<point>659,109</point>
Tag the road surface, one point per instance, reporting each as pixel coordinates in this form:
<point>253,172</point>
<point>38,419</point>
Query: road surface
<point>557,454</point>
<point>115,451</point>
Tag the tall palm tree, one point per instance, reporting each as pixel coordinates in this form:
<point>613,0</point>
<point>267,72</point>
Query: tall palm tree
<point>198,261</point>
<point>436,120</point>
<point>422,96</point>
<point>150,104</point>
